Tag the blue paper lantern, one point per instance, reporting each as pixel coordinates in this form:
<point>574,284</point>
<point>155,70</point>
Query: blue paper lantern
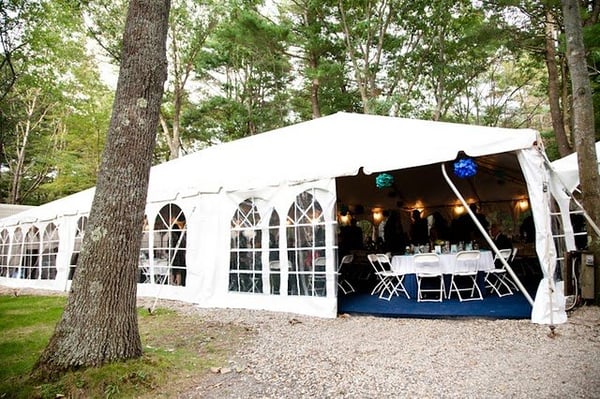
<point>465,167</point>
<point>384,180</point>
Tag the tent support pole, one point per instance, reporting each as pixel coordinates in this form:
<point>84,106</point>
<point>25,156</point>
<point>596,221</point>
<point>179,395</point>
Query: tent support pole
<point>486,236</point>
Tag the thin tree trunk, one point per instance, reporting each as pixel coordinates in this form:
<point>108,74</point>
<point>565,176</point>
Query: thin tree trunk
<point>314,88</point>
<point>361,79</point>
<point>23,133</point>
<point>99,324</point>
<point>558,124</point>
<point>583,120</point>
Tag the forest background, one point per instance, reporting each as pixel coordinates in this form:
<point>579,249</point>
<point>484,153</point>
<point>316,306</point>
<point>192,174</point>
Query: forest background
<point>241,67</point>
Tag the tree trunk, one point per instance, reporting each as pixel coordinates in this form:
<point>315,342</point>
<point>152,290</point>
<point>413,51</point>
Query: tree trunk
<point>314,88</point>
<point>99,324</point>
<point>583,120</point>
<point>558,124</point>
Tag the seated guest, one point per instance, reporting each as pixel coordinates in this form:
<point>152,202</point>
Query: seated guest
<point>500,239</point>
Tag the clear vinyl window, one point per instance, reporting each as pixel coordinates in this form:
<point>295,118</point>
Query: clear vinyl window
<point>305,233</point>
<point>245,267</point>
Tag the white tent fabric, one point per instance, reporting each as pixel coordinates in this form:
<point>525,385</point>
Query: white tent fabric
<point>70,205</point>
<point>568,169</point>
<point>10,209</point>
<point>343,142</point>
<point>549,306</point>
<point>276,166</point>
<point>562,181</point>
<point>328,147</point>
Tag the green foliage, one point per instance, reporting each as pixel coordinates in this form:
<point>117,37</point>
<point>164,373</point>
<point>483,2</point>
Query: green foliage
<point>46,106</point>
<point>550,145</point>
<point>236,70</point>
<point>82,143</point>
<point>248,51</point>
<point>591,38</point>
<point>320,57</point>
<point>105,22</point>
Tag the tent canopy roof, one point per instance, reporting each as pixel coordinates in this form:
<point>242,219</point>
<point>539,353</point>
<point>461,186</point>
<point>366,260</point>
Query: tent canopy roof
<point>332,146</point>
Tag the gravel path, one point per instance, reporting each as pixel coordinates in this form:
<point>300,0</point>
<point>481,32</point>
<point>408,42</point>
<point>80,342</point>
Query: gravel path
<point>371,357</point>
<point>292,356</point>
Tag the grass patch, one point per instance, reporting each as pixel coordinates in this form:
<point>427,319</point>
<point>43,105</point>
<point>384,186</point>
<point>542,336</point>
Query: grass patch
<point>178,351</point>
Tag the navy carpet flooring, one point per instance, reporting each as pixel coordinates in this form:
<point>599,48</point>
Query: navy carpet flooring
<point>508,307</point>
<point>513,306</point>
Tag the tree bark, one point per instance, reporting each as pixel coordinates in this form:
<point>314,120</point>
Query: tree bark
<point>583,120</point>
<point>314,88</point>
<point>558,124</point>
<point>99,324</point>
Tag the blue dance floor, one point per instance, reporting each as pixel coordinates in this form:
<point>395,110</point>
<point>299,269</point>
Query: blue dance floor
<point>508,307</point>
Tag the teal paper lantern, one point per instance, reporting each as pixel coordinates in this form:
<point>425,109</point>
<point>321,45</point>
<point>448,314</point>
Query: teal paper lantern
<point>384,180</point>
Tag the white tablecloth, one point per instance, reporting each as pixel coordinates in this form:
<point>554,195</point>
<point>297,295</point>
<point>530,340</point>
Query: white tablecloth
<point>404,263</point>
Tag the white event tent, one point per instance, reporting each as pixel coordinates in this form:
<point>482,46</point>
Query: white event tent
<point>248,206</point>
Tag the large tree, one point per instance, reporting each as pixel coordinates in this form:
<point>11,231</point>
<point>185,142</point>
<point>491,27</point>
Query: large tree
<point>583,116</point>
<point>99,324</point>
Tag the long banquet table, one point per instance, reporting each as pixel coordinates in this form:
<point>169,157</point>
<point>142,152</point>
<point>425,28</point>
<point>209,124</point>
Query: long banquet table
<point>404,264</point>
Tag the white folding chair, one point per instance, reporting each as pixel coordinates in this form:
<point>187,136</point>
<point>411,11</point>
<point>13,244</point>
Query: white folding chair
<point>379,273</point>
<point>146,275</point>
<point>342,283</point>
<point>427,268</point>
<point>395,278</point>
<point>161,272</point>
<point>464,277</point>
<point>390,283</point>
<point>318,282</point>
<point>275,275</point>
<point>509,279</point>
<point>513,255</point>
<point>496,279</point>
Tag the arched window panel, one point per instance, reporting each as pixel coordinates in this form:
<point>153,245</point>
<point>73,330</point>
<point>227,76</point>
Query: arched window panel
<point>50,240</point>
<point>245,266</point>
<point>144,275</point>
<point>31,257</point>
<point>16,253</point>
<point>79,233</point>
<point>169,246</point>
<point>177,251</point>
<point>274,245</point>
<point>306,210</point>
<point>305,234</point>
<point>4,252</point>
<point>167,216</point>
